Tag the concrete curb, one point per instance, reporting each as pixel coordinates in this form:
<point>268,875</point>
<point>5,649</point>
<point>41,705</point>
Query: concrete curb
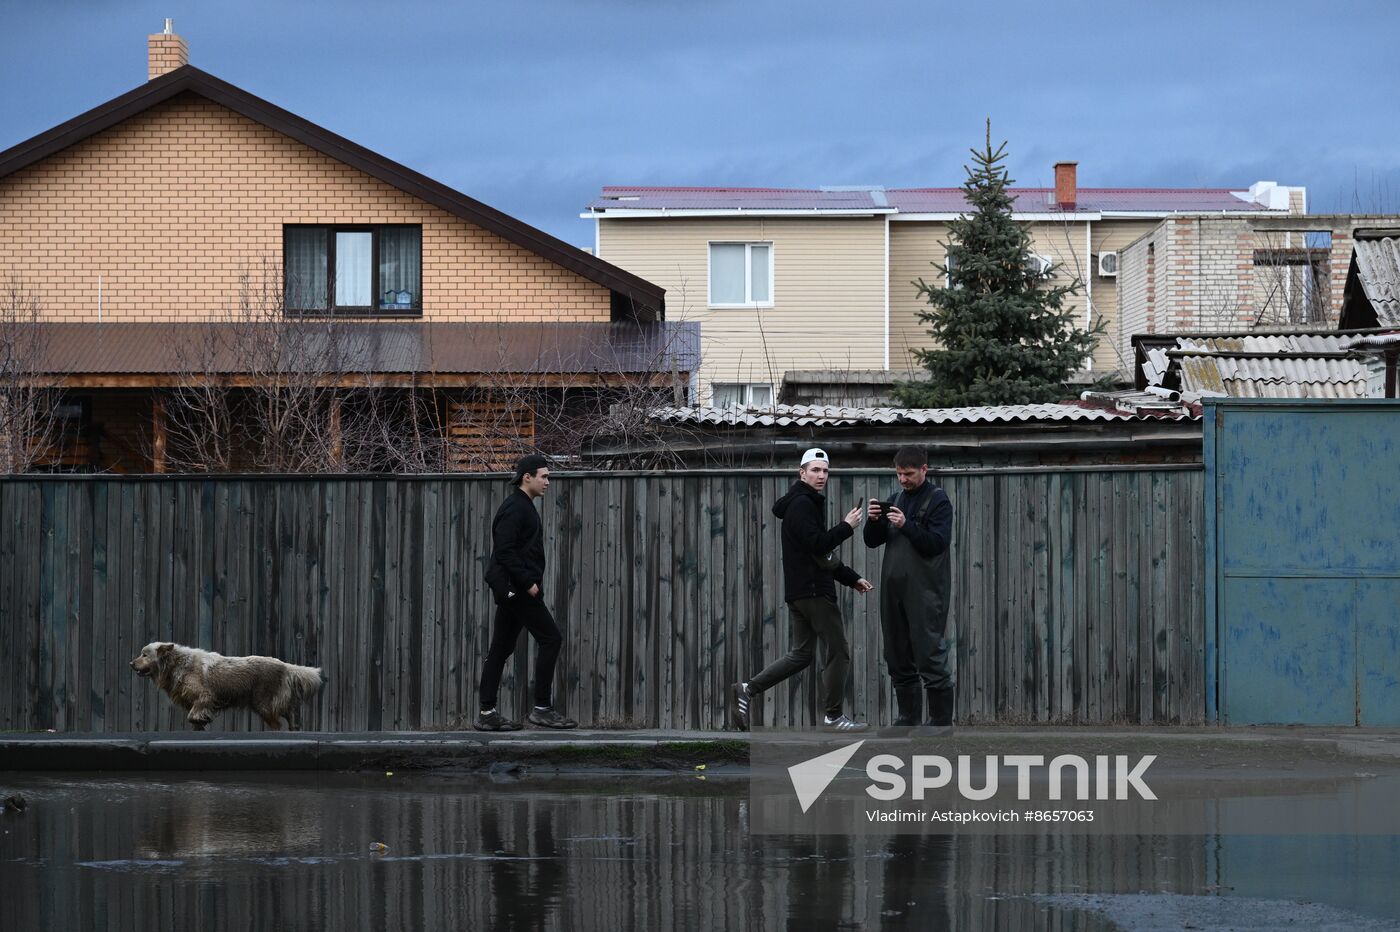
<point>336,751</point>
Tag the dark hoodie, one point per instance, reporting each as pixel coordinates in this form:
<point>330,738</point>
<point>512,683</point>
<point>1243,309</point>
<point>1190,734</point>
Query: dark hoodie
<point>517,548</point>
<point>809,563</point>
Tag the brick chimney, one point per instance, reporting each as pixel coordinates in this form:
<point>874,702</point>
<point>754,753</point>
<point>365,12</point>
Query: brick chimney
<point>165,52</point>
<point>1066,184</point>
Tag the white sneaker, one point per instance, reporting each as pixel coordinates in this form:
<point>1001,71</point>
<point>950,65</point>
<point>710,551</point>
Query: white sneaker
<point>842,723</point>
<point>739,706</point>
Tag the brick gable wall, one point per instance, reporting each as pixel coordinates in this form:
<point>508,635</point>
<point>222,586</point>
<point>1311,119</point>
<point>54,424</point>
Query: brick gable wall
<point>171,206</point>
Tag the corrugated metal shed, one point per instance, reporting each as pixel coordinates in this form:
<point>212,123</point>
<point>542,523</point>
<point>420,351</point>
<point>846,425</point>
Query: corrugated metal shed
<point>1378,267</point>
<point>827,416</point>
<point>408,347</point>
<point>1260,365</point>
<point>1288,376</point>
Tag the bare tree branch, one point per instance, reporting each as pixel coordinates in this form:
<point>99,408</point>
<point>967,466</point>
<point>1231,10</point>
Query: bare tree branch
<point>28,425</point>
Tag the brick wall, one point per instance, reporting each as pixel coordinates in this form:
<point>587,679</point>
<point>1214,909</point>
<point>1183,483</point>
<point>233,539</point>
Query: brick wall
<point>1209,266</point>
<point>170,206</point>
<point>1137,269</point>
<point>165,53</point>
<point>1207,277</point>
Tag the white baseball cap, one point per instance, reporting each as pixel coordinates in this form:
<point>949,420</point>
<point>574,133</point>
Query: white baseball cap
<point>814,454</point>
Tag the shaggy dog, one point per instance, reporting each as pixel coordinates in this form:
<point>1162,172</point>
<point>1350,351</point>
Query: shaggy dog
<point>205,682</point>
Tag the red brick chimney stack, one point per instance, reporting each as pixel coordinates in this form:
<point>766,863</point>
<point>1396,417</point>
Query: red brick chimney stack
<point>1066,184</point>
<point>165,52</point>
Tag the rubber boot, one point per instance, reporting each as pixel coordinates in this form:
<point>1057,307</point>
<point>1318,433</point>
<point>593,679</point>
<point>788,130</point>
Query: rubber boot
<point>910,700</point>
<point>940,706</point>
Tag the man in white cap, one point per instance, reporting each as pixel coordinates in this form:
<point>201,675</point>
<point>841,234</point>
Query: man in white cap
<point>810,571</point>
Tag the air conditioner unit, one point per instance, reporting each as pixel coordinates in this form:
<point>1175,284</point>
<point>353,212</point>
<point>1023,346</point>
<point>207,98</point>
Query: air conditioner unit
<point>1108,264</point>
<point>1039,265</point>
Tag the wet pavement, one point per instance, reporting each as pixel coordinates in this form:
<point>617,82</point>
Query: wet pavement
<point>217,851</point>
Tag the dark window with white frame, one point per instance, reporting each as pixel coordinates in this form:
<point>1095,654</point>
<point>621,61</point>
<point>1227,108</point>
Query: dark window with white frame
<point>372,270</point>
<point>741,275</point>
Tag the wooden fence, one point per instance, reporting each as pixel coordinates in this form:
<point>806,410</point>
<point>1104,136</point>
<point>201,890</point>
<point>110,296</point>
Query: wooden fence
<point>1078,594</point>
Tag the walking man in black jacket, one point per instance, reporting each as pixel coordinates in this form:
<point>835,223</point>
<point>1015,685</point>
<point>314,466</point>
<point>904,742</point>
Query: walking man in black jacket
<point>810,567</point>
<point>515,575</point>
<point>915,581</point>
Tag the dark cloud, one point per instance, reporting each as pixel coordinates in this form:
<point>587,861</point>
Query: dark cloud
<point>532,106</point>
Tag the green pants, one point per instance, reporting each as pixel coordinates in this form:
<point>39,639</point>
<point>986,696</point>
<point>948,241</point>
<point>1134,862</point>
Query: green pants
<point>813,618</point>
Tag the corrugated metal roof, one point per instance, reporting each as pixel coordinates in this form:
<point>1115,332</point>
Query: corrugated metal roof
<point>828,416</point>
<point>914,200</point>
<point>1267,343</point>
<point>1378,267</point>
<point>1283,377</point>
<point>406,347</point>
<point>853,376</point>
<point>1262,365</point>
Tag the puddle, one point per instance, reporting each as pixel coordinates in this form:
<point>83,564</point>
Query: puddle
<point>421,851</point>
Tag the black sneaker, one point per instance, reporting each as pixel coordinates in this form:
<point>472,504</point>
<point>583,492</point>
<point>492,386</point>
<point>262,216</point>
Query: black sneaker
<point>739,707</point>
<point>842,723</point>
<point>549,718</point>
<point>494,721</point>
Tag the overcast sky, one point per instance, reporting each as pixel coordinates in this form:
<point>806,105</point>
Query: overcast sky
<point>533,106</point>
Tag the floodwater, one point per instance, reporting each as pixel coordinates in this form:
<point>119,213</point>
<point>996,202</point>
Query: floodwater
<point>215,851</point>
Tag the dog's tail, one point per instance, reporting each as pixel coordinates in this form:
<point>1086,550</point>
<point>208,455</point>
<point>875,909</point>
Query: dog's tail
<point>304,681</point>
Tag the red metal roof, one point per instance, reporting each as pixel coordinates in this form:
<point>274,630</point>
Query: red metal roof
<point>614,198</point>
<point>914,200</point>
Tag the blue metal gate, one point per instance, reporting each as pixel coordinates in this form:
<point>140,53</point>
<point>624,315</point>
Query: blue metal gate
<point>1303,561</point>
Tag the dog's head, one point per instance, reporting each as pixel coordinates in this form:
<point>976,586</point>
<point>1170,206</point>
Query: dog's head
<point>148,662</point>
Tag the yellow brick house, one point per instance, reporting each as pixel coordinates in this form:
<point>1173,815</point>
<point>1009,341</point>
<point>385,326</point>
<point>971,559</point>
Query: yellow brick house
<point>141,225</point>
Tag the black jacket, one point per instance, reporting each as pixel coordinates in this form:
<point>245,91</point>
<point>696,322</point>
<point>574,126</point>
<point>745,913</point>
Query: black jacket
<point>517,548</point>
<point>809,563</point>
<point>929,524</point>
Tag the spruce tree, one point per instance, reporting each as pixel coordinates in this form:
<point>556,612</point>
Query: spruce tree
<point>1003,334</point>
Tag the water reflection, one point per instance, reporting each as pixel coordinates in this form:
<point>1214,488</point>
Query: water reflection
<point>420,852</point>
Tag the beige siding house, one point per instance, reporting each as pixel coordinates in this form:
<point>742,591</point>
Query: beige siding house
<point>823,306</point>
<point>834,284</point>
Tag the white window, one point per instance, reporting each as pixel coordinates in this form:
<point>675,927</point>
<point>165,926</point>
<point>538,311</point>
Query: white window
<point>950,262</point>
<point>741,275</point>
<point>741,394</point>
